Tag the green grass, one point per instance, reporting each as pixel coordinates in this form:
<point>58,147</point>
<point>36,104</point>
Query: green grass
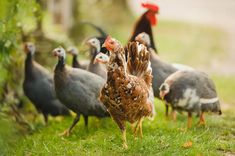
<point>177,42</point>
<point>161,137</point>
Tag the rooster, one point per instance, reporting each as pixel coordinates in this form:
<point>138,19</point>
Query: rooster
<point>126,96</point>
<point>145,22</point>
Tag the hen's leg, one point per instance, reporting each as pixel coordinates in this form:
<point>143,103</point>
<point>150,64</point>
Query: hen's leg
<point>122,126</point>
<point>189,119</point>
<point>68,131</point>
<point>140,125</point>
<point>202,119</point>
<point>173,113</point>
<point>124,138</point>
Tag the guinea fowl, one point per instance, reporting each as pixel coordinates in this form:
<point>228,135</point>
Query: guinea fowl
<point>96,68</point>
<point>38,87</point>
<point>78,90</point>
<point>191,91</point>
<point>75,63</point>
<point>127,96</point>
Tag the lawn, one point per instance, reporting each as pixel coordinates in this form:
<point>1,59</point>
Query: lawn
<point>179,42</point>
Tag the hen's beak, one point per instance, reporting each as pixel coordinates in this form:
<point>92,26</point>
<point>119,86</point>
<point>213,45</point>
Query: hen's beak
<point>103,45</point>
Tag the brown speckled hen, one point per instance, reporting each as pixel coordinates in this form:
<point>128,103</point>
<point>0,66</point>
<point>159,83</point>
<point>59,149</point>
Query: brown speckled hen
<point>126,96</point>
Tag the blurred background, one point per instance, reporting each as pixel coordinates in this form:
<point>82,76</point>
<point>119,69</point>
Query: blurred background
<point>197,33</point>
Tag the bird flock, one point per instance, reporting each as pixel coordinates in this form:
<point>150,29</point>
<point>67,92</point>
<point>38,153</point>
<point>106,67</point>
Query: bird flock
<point>119,81</point>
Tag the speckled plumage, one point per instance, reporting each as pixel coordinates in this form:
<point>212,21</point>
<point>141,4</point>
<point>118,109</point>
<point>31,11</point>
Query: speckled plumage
<point>191,91</point>
<point>126,96</point>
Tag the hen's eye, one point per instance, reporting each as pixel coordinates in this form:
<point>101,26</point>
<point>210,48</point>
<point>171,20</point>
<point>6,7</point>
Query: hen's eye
<point>59,51</point>
<point>101,57</point>
<point>111,42</point>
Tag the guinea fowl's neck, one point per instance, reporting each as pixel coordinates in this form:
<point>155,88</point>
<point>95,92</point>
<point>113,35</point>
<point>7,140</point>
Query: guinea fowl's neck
<point>93,53</point>
<point>61,64</point>
<point>29,66</point>
<point>143,25</point>
<point>75,63</point>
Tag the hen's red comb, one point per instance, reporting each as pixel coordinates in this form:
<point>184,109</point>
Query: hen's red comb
<point>149,6</point>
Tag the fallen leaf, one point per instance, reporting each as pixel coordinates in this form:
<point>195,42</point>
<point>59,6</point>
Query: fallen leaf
<point>187,144</point>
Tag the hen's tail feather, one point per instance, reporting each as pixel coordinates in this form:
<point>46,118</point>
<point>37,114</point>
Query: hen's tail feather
<point>138,62</point>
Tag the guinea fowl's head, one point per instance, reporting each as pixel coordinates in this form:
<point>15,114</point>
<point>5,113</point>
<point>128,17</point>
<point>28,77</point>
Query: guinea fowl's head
<point>153,9</point>
<point>59,52</point>
<point>94,43</point>
<point>101,58</point>
<point>164,89</point>
<point>29,48</point>
<point>143,38</point>
<point>112,44</point>
<point>73,51</point>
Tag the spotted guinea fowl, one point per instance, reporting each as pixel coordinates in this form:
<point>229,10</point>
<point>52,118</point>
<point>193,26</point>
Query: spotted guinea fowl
<point>191,91</point>
<point>78,89</point>
<point>96,68</point>
<point>39,88</point>
<point>75,63</point>
<point>127,96</point>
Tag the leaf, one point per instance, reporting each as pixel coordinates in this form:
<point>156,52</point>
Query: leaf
<point>187,144</point>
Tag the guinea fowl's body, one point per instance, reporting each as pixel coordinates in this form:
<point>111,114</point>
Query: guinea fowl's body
<point>38,87</point>
<point>78,90</point>
<point>188,91</point>
<point>191,91</point>
<point>161,70</point>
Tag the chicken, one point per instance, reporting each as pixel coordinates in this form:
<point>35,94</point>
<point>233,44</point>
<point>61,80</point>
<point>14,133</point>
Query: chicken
<point>191,91</point>
<point>39,87</point>
<point>127,96</point>
<point>145,22</point>
<point>75,64</point>
<point>96,68</point>
<point>78,89</point>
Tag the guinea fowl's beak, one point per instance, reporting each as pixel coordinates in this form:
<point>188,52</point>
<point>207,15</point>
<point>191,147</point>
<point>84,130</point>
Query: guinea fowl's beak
<point>54,53</point>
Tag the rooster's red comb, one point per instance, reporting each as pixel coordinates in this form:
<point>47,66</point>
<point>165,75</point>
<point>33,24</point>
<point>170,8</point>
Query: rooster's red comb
<point>149,6</point>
